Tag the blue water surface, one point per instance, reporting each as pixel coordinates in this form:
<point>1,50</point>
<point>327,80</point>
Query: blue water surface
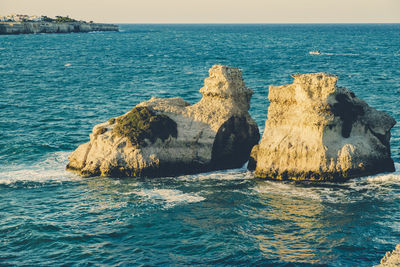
<point>56,87</point>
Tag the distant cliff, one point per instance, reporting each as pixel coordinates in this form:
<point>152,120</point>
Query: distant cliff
<point>52,27</point>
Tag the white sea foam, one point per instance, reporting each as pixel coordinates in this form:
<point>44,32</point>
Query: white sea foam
<point>170,197</point>
<point>319,193</point>
<point>395,178</point>
<point>386,178</point>
<point>233,174</point>
<point>287,190</point>
<point>377,186</point>
<point>51,169</point>
<point>108,204</point>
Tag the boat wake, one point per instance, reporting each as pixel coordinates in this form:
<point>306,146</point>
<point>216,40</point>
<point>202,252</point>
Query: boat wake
<point>316,52</point>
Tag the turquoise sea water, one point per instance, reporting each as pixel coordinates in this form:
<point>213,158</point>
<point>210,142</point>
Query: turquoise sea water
<point>56,87</point>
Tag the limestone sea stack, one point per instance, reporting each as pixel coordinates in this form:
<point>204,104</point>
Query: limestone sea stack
<point>318,131</point>
<point>164,137</point>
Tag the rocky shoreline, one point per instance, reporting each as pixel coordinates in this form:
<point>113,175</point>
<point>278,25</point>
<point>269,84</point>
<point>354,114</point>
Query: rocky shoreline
<point>53,27</point>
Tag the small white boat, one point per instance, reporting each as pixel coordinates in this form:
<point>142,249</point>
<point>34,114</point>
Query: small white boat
<point>316,52</point>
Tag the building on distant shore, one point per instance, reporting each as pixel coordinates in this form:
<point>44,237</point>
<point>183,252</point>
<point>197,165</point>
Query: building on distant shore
<point>20,18</point>
<point>26,18</point>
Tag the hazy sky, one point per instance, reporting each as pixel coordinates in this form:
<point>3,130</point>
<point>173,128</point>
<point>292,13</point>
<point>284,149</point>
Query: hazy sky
<point>212,11</point>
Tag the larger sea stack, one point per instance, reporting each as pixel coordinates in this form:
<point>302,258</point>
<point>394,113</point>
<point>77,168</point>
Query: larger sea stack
<point>318,131</point>
<point>163,137</point>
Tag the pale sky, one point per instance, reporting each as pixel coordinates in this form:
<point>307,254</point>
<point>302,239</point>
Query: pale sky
<point>212,11</point>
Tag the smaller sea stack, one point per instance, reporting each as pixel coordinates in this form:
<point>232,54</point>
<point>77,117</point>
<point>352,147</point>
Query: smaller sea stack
<point>318,131</point>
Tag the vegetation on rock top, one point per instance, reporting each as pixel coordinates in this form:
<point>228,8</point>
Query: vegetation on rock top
<point>142,123</point>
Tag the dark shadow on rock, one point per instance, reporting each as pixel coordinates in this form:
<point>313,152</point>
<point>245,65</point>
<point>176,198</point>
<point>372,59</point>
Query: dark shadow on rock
<point>233,143</point>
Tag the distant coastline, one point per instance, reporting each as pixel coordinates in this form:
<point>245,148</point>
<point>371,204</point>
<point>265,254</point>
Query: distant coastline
<point>51,27</point>
<point>23,24</point>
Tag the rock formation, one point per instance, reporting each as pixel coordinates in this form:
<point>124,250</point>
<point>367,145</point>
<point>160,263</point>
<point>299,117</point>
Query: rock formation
<point>391,259</point>
<point>162,137</point>
<point>318,131</point>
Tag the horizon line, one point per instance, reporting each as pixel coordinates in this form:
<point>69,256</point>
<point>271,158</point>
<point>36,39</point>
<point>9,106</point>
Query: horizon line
<point>249,23</point>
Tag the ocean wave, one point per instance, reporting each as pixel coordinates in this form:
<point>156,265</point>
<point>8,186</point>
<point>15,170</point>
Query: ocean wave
<point>51,169</point>
<point>388,177</point>
<point>232,174</point>
<point>287,189</point>
<point>380,186</point>
<point>170,197</point>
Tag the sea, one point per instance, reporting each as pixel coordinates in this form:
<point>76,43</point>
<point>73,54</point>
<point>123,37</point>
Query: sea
<point>55,87</point>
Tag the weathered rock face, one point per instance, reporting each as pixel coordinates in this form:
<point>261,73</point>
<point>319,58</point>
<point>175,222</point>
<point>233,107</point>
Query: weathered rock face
<point>391,259</point>
<point>162,137</point>
<point>318,131</point>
